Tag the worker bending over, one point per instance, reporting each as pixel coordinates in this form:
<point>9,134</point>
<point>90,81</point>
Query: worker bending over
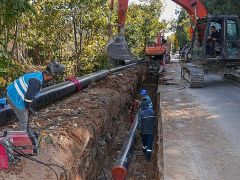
<point>21,92</point>
<point>146,123</point>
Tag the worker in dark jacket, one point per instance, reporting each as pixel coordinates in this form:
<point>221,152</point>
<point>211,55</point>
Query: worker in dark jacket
<point>146,121</point>
<point>21,92</point>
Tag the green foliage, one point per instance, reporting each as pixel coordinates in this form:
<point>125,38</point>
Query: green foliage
<point>143,24</point>
<point>9,70</point>
<point>183,24</point>
<point>74,32</point>
<point>230,7</point>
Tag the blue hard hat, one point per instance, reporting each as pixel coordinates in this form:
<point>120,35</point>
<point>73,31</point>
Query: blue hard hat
<point>143,92</point>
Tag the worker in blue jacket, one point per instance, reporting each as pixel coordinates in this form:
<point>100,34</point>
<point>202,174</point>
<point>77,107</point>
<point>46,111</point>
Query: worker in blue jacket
<point>144,94</point>
<point>146,123</point>
<point>21,92</point>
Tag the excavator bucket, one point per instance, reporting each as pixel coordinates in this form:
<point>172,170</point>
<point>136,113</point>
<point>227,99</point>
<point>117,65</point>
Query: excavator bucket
<point>118,51</point>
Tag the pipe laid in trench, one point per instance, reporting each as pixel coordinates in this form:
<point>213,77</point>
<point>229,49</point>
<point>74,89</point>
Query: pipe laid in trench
<point>58,91</point>
<point>119,171</point>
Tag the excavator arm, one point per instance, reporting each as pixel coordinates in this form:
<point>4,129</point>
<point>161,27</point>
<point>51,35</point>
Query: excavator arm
<point>117,48</point>
<point>122,12</point>
<point>195,8</point>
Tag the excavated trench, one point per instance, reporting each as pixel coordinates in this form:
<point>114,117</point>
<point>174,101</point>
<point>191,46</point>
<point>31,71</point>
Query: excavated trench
<point>84,133</point>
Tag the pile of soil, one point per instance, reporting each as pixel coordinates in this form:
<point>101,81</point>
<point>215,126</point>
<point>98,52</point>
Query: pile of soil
<point>77,131</point>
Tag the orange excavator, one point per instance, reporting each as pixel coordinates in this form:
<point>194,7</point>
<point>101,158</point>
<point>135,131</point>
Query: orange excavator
<point>215,44</point>
<point>156,48</point>
<point>156,52</point>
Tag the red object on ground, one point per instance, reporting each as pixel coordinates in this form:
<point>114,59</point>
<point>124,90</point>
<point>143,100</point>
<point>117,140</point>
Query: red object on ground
<point>4,159</point>
<point>119,172</point>
<point>76,82</point>
<point>22,141</point>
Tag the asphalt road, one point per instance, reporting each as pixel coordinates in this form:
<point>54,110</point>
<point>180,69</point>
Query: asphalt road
<point>201,129</point>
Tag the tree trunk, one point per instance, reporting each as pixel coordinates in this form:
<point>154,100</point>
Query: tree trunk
<point>15,41</point>
<point>75,34</point>
<point>81,35</point>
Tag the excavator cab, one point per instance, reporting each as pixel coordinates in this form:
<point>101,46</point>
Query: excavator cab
<point>216,40</point>
<point>215,47</point>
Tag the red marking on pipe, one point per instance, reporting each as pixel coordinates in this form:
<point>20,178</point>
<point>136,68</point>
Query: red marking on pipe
<point>119,172</point>
<point>76,82</point>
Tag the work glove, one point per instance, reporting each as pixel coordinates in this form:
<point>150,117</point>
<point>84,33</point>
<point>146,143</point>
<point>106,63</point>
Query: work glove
<point>136,103</point>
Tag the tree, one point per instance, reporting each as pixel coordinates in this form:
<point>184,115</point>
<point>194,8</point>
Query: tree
<point>143,24</point>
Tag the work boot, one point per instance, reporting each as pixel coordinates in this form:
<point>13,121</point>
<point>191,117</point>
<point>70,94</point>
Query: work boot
<point>148,156</point>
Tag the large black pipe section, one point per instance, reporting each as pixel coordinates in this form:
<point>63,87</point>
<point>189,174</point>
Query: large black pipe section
<point>120,169</point>
<point>6,114</point>
<point>58,91</point>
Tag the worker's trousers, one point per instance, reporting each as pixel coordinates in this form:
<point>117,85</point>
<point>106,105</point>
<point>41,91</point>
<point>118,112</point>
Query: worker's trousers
<point>147,142</point>
<point>22,115</point>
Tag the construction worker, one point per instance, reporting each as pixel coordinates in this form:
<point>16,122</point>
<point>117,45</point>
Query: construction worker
<point>21,92</point>
<point>146,123</point>
<point>144,94</point>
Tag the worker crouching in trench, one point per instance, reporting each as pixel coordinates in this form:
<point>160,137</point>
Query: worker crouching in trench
<point>21,92</point>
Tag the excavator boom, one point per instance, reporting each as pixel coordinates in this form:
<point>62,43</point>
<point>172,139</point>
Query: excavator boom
<point>122,11</point>
<point>195,8</point>
<point>117,48</point>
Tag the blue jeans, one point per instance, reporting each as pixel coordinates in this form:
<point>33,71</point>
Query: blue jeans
<point>22,115</point>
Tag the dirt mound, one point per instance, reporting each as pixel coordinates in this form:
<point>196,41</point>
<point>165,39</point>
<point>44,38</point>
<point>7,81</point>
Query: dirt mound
<point>76,131</point>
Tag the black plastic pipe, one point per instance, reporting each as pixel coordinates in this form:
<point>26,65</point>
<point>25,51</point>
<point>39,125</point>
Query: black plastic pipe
<point>6,114</point>
<point>120,169</point>
<point>58,91</point>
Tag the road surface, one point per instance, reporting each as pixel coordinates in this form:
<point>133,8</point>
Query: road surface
<point>201,129</point>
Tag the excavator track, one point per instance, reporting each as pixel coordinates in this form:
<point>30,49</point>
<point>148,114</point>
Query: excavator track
<point>193,74</point>
<point>232,73</point>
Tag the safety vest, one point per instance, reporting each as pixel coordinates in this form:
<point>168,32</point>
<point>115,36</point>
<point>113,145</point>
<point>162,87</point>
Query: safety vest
<point>16,90</point>
<point>150,106</point>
